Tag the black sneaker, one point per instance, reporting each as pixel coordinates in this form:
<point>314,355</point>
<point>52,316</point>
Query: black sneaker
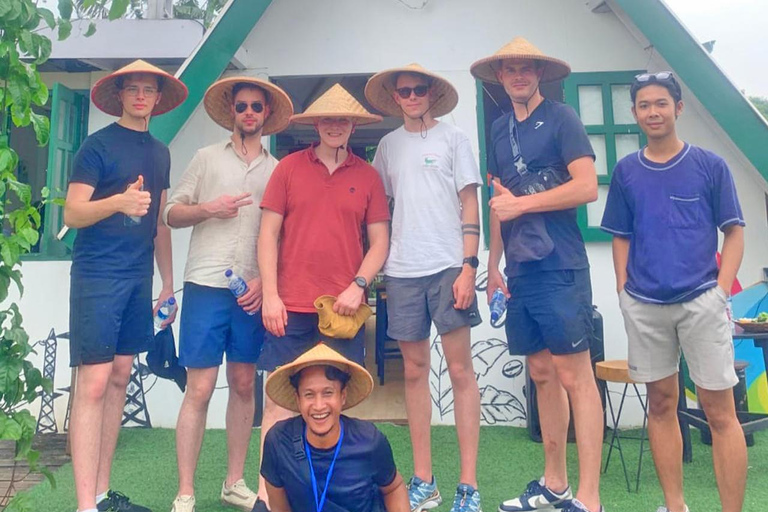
<point>119,502</point>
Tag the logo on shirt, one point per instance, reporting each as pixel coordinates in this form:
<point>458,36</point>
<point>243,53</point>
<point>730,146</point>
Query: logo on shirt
<point>538,123</point>
<point>352,190</point>
<point>430,161</point>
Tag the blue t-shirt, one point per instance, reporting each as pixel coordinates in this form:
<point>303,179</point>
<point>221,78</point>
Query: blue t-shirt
<point>549,139</point>
<point>109,160</point>
<point>365,463</point>
<point>670,212</point>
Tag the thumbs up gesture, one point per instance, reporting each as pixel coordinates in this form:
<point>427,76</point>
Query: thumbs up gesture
<point>135,201</point>
<point>505,204</point>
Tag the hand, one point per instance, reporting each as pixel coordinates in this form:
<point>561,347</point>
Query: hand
<point>135,201</point>
<point>251,300</point>
<point>165,294</point>
<point>496,281</point>
<point>274,315</point>
<point>726,287</point>
<point>464,288</point>
<point>226,207</point>
<point>620,287</point>
<point>506,205</point>
<point>348,301</point>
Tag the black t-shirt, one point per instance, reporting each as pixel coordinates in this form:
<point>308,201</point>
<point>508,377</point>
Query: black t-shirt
<point>549,139</point>
<point>364,464</point>
<point>109,160</point>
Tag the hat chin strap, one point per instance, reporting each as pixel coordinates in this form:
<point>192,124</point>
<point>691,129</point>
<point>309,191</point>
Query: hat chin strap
<point>527,101</point>
<point>423,127</point>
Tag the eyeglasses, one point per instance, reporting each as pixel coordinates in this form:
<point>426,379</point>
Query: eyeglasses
<point>242,106</point>
<point>420,91</point>
<point>133,90</point>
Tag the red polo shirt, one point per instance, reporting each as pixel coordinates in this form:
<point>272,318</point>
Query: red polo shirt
<point>321,243</point>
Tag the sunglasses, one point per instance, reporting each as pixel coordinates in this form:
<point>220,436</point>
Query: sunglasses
<point>420,91</point>
<point>663,76</point>
<point>242,106</point>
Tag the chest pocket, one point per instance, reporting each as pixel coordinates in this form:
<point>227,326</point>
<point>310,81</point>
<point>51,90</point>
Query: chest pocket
<point>684,211</point>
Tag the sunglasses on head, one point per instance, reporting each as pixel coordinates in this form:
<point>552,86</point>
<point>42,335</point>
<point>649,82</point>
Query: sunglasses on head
<point>420,91</point>
<point>663,76</point>
<point>242,106</point>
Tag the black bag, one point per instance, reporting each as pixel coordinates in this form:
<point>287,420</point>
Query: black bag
<point>162,360</point>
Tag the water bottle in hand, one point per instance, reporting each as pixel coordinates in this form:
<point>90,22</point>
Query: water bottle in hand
<point>237,285</point>
<point>498,305</point>
<point>164,312</point>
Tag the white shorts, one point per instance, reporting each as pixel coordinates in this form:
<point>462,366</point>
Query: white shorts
<point>699,327</point>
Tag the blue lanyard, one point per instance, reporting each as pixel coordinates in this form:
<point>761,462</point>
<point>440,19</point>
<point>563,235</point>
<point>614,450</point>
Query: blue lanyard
<point>320,502</point>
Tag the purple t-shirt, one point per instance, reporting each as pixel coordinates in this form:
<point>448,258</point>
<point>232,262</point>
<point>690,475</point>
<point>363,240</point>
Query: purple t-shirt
<point>670,212</point>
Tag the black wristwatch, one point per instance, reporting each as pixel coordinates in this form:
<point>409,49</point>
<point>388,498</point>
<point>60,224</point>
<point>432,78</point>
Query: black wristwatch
<point>360,281</point>
<point>472,261</point>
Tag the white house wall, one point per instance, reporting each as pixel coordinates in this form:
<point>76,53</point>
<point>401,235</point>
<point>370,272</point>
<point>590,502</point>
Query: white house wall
<point>306,37</point>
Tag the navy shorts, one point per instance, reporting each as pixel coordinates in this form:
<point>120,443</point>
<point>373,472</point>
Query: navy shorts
<point>301,334</point>
<point>212,324</point>
<point>108,316</point>
<point>550,310</point>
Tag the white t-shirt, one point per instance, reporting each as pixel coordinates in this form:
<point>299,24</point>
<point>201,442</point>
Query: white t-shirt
<point>424,176</point>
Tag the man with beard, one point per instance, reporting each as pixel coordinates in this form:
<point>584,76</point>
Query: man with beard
<point>428,167</point>
<point>322,460</point>
<point>543,169</point>
<point>216,195</point>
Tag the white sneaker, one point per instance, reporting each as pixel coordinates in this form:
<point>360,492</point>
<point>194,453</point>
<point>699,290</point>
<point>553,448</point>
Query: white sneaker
<point>183,504</point>
<point>665,509</point>
<point>238,496</point>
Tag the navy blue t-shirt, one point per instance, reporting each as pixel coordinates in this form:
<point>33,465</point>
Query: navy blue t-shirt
<point>549,139</point>
<point>671,212</point>
<point>365,463</point>
<point>109,160</point>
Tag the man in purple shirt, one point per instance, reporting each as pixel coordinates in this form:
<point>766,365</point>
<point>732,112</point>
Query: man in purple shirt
<point>664,207</point>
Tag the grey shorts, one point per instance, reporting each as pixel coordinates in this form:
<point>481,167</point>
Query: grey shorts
<point>413,303</point>
<point>700,327</point>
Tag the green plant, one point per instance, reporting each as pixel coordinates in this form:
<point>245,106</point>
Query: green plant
<point>22,49</point>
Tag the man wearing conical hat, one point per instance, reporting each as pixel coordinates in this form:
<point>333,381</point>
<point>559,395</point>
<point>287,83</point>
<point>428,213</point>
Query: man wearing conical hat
<point>428,167</point>
<point>322,459</point>
<point>116,193</point>
<point>218,195</point>
<point>543,169</point>
<point>316,204</point>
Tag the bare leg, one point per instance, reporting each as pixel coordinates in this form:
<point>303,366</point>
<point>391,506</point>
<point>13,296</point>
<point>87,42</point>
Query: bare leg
<point>272,414</point>
<point>240,410</point>
<point>190,426</point>
<point>458,354</point>
<point>418,405</point>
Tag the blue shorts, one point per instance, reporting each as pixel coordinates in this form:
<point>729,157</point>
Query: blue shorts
<point>108,316</point>
<point>212,323</point>
<point>550,310</point>
<point>301,334</point>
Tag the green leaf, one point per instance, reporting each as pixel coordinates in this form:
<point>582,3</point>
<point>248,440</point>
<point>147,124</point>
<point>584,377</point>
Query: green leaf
<point>118,9</point>
<point>11,431</point>
<point>65,9</point>
<point>5,7</point>
<point>91,29</point>
<point>48,475</point>
<point>9,372</point>
<point>65,28</point>
<point>45,51</point>
<point>14,12</point>
<point>6,159</point>
<point>48,16</point>
<point>16,276</point>
<point>30,234</point>
<point>42,126</point>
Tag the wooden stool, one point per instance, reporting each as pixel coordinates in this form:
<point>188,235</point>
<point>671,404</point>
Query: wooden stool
<point>618,371</point>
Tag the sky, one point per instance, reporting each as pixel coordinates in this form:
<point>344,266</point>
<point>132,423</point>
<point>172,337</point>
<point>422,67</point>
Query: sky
<point>740,29</point>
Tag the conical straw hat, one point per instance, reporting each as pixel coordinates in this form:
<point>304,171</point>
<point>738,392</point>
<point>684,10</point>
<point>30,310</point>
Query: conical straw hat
<point>104,92</point>
<point>218,103</point>
<point>519,48</point>
<point>381,86</point>
<point>335,102</point>
<point>280,390</point>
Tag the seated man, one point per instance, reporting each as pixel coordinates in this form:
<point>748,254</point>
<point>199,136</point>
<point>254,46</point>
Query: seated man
<point>322,461</point>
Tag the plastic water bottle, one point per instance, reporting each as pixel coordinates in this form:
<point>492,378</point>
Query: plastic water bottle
<point>165,311</point>
<point>498,305</point>
<point>237,285</point>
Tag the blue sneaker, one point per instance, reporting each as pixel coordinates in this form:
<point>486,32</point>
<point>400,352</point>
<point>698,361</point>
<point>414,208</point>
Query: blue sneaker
<point>576,506</point>
<point>537,496</point>
<point>467,499</point>
<point>423,495</point>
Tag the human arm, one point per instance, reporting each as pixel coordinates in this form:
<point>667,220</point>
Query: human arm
<point>495,250</point>
<point>273,312</point>
<point>81,212</point>
<point>223,207</point>
<point>278,500</point>
<point>164,259</point>
<point>395,495</point>
<point>350,299</point>
<point>730,256</point>
<point>464,285</point>
<point>620,260</point>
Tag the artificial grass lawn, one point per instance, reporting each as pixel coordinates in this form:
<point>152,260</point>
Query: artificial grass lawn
<point>145,469</point>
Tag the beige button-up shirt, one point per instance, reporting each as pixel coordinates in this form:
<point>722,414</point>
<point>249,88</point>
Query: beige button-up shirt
<point>219,244</point>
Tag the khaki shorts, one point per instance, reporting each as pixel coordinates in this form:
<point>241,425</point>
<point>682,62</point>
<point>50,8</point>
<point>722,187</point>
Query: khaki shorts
<point>699,327</point>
